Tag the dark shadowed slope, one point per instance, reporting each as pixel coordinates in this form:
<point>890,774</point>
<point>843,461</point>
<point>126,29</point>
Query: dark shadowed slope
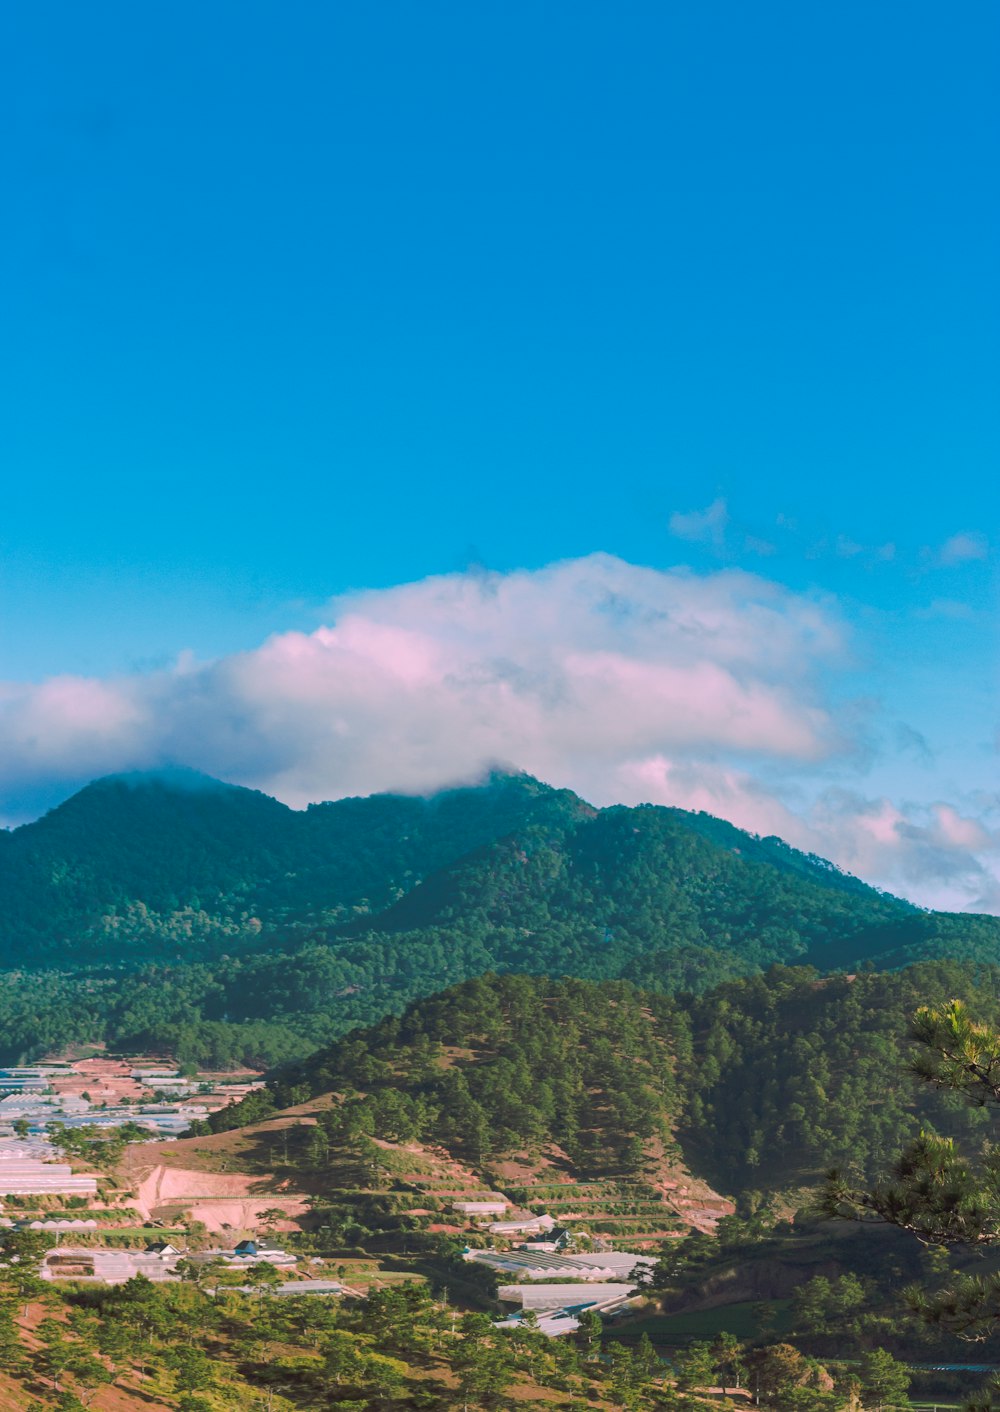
<point>761,1083</point>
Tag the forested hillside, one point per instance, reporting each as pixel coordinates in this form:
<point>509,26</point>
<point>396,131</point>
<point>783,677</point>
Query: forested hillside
<point>759,1085</point>
<point>179,866</point>
<point>177,913</point>
<point>665,897</point>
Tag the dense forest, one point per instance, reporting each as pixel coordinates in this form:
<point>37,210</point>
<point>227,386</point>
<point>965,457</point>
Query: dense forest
<point>215,1343</point>
<point>177,866</point>
<point>758,1086</point>
<point>178,914</point>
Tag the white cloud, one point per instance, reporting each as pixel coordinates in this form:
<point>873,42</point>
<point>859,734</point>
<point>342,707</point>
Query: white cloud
<point>848,548</point>
<point>715,788</point>
<point>561,671</point>
<point>625,683</point>
<point>753,544</point>
<point>948,608</point>
<point>961,548</point>
<point>930,852</point>
<point>706,526</point>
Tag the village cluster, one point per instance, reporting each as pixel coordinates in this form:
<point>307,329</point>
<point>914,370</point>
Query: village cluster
<point>108,1093</point>
<point>546,1271</point>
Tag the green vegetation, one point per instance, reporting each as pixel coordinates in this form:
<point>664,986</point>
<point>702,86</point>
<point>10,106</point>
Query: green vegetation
<point>790,1073</point>
<point>201,1347</point>
<point>175,914</point>
<point>542,1062</point>
<point>846,1284</point>
<point>742,1319</point>
<point>938,1188</point>
<point>759,1085</point>
<point>613,1003</point>
<point>177,866</point>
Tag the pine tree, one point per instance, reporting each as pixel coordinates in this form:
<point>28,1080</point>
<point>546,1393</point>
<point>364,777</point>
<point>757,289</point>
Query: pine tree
<point>937,1192</point>
<point>588,1334</point>
<point>884,1381</point>
<point>695,1366</point>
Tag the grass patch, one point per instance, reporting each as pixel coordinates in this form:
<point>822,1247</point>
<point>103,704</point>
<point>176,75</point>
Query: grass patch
<point>678,1330</point>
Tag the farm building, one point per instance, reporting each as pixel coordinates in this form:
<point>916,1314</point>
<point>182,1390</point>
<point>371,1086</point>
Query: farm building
<point>527,1225</point>
<point>249,1252</point>
<point>482,1203</point>
<point>21,1176</point>
<point>111,1267</point>
<point>539,1265</point>
<point>568,1297</point>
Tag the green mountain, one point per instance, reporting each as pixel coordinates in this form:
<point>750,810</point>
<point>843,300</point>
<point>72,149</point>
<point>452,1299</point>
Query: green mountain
<point>666,898</point>
<point>176,864</point>
<point>175,912</point>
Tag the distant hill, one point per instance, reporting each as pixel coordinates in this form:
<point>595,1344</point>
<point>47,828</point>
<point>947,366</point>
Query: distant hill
<point>667,898</point>
<point>178,864</point>
<point>648,892</point>
<point>214,923</point>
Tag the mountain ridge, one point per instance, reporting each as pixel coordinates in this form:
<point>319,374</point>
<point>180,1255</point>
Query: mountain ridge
<point>218,925</point>
<point>178,841</point>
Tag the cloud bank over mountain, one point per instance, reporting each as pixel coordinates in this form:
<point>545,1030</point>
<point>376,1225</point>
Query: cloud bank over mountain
<point>725,691</point>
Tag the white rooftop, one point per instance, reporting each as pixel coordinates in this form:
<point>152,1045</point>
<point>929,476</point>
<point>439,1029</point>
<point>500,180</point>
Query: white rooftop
<point>539,1265</point>
<point>568,1296</point>
<point>559,1322</point>
<point>624,1264</point>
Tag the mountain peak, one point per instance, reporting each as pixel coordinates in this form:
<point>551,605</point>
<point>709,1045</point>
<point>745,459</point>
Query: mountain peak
<point>171,777</point>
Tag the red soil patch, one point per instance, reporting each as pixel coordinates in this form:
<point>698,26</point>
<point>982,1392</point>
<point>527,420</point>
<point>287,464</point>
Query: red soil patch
<point>223,1201</point>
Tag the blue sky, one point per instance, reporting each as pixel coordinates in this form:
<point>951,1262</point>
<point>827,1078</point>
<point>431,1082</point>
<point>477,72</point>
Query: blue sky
<point>300,303</point>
